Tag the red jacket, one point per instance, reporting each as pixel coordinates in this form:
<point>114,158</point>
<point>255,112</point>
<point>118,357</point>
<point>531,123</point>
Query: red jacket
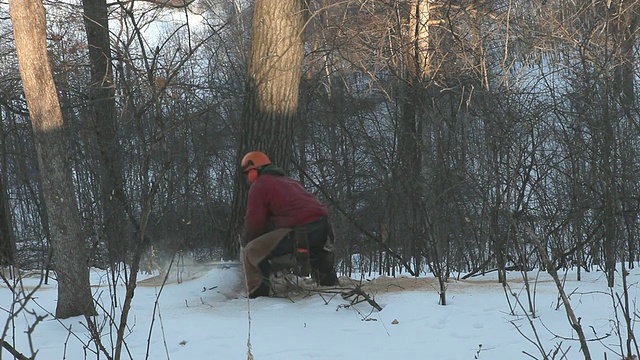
<point>279,201</point>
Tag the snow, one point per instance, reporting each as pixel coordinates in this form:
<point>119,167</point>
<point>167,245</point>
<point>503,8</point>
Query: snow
<point>206,315</point>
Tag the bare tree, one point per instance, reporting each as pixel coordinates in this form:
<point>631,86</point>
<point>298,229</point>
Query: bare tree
<point>104,119</point>
<point>74,291</point>
<point>271,97</point>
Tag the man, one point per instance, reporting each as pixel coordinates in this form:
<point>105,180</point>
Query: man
<point>282,218</point>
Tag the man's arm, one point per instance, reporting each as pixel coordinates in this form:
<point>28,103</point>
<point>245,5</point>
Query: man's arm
<point>255,219</point>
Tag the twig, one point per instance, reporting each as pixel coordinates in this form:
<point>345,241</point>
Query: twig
<point>573,320</point>
<point>95,335</point>
<point>156,308</point>
<point>537,343</point>
<point>18,355</point>
<point>249,354</point>
<point>164,336</point>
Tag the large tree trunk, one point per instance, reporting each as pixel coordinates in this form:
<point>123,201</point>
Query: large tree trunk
<point>418,78</point>
<point>102,95</point>
<point>271,99</point>
<point>416,57</point>
<point>74,291</point>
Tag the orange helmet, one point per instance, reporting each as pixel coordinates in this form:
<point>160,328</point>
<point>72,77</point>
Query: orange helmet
<point>254,160</point>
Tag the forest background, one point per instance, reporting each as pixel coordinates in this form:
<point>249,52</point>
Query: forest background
<point>444,136</point>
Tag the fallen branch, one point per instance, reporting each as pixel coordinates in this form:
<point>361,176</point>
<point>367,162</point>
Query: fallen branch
<point>358,292</point>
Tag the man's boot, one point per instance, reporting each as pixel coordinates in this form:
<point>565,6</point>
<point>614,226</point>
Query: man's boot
<point>326,273</point>
<point>262,290</point>
<point>265,287</point>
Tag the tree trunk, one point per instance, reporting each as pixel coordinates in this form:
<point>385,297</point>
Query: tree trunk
<point>102,95</point>
<point>271,98</point>
<point>29,26</point>
<point>408,232</point>
<point>7,247</point>
<point>625,30</point>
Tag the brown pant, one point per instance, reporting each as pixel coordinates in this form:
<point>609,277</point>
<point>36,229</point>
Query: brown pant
<point>255,252</point>
<point>319,238</point>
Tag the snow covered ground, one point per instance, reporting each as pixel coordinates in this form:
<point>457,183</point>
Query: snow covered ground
<point>207,316</point>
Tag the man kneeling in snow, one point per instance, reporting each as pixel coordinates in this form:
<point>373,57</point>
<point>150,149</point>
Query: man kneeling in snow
<point>300,221</point>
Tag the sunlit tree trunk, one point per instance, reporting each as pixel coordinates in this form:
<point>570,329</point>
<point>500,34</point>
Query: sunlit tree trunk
<point>417,72</point>
<point>74,291</point>
<point>271,98</point>
<point>411,121</point>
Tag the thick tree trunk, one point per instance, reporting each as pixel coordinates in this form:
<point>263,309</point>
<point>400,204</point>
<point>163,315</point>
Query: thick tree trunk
<point>416,57</point>
<point>271,99</point>
<point>419,73</point>
<point>29,26</point>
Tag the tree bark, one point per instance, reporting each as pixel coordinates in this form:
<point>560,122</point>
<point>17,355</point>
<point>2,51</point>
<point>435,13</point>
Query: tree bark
<point>271,99</point>
<point>103,110</point>
<point>74,291</point>
<point>7,246</point>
